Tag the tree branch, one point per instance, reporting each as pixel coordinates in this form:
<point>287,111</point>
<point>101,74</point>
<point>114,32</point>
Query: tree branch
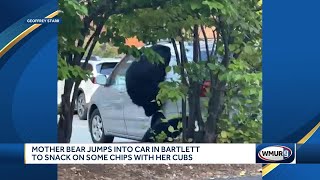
<point>214,46</point>
<point>196,44</point>
<point>176,51</point>
<point>225,41</point>
<point>206,42</point>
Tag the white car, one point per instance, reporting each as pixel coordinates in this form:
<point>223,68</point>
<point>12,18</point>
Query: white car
<point>111,112</point>
<point>101,66</point>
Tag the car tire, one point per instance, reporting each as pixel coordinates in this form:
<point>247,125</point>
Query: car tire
<point>81,107</point>
<point>97,130</point>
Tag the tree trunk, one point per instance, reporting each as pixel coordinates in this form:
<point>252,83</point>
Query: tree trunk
<point>66,114</point>
<point>184,82</point>
<point>217,90</point>
<point>198,136</point>
<point>189,132</point>
<point>195,113</point>
<point>216,103</point>
<point>67,106</point>
<point>194,94</point>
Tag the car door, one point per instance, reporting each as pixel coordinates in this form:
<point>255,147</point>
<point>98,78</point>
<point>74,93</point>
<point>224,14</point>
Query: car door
<point>111,100</point>
<point>136,120</point>
<point>110,104</point>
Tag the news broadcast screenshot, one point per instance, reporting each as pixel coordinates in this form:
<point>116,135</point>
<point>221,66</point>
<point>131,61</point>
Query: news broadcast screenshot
<point>159,89</point>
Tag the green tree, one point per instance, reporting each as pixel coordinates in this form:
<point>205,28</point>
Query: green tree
<point>233,66</point>
<point>233,108</point>
<point>82,26</point>
<point>85,24</point>
<point>105,50</point>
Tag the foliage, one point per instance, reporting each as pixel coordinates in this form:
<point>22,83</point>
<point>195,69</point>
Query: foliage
<point>105,50</point>
<point>69,33</point>
<point>83,26</point>
<point>233,106</point>
<point>241,120</point>
<point>237,70</point>
<point>67,71</point>
<point>78,34</point>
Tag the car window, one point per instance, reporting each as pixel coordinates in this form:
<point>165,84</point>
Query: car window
<point>203,55</point>
<point>106,68</point>
<point>119,74</point>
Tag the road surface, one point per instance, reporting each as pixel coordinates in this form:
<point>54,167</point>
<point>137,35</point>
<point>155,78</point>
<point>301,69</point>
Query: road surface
<point>81,135</point>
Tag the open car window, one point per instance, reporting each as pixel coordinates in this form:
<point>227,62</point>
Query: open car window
<point>106,68</point>
<point>119,73</point>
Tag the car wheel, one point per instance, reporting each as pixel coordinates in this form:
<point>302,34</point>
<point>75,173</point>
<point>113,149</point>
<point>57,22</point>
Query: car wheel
<point>81,107</point>
<point>97,130</point>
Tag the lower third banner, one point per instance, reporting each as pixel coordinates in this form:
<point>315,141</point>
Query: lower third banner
<point>159,153</point>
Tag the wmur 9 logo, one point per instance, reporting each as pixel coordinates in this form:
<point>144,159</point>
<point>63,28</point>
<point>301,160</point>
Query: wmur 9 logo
<point>275,153</point>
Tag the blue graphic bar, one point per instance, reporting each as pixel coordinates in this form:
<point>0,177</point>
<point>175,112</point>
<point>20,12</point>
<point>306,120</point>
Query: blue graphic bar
<point>12,153</point>
<point>308,154</point>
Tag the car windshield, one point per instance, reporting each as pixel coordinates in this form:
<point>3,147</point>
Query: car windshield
<point>106,68</point>
<point>203,55</point>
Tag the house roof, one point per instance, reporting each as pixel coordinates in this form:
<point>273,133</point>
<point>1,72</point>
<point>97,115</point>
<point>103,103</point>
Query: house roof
<point>135,42</point>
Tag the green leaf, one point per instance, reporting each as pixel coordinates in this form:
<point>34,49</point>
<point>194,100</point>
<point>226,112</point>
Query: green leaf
<point>212,66</point>
<point>171,129</point>
<point>195,5</point>
<point>170,139</point>
<point>179,126</point>
<point>248,49</point>
<point>213,4</point>
<point>176,69</point>
<point>232,47</point>
<point>168,69</point>
<point>224,134</point>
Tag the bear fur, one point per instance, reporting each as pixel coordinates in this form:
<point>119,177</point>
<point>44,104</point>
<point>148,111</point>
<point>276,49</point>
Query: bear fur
<point>143,79</point>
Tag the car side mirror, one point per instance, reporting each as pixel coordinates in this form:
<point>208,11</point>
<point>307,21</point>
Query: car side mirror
<point>102,80</point>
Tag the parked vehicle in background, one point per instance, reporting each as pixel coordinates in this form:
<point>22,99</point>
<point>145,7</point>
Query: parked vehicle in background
<point>98,66</point>
<point>111,112</point>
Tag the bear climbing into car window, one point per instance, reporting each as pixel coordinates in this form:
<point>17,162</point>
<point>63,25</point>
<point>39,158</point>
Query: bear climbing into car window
<point>143,78</point>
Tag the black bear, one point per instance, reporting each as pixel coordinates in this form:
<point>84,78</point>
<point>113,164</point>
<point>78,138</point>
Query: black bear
<point>143,78</point>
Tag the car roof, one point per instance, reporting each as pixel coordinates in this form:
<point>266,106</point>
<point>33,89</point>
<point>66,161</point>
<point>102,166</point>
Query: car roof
<point>112,60</point>
<point>188,46</point>
<point>103,60</point>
